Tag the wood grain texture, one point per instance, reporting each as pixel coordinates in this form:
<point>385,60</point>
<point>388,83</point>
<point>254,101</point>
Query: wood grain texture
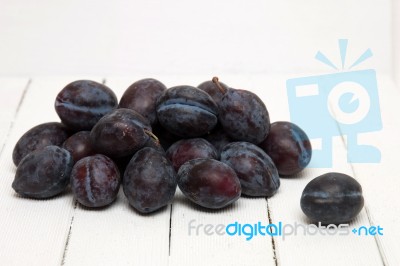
<point>12,92</point>
<point>381,180</point>
<point>118,235</point>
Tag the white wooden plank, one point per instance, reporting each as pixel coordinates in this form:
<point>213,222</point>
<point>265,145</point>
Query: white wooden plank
<point>11,91</point>
<point>381,181</point>
<point>192,248</point>
<point>118,235</point>
<point>33,232</point>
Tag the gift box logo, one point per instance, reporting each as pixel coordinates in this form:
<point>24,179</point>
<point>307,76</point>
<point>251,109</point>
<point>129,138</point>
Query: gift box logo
<point>339,104</point>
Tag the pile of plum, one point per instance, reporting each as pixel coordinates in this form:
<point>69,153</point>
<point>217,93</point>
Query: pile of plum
<point>214,142</point>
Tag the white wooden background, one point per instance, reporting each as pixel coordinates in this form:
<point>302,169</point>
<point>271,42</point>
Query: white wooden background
<point>46,44</point>
<point>59,231</point>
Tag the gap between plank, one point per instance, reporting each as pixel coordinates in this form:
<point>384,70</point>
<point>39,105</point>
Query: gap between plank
<point>377,240</point>
<point>64,256</point>
<point>272,237</point>
<point>376,237</point>
<point>21,100</point>
<point>170,229</point>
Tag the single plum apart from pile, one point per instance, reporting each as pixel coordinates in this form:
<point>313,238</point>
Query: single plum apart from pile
<point>255,169</point>
<point>95,181</point>
<point>288,146</point>
<point>209,183</point>
<point>83,102</point>
<point>43,173</point>
<point>149,181</point>
<point>332,198</point>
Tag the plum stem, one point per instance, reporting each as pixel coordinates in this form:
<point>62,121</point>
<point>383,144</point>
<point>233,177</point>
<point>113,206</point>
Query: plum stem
<point>151,134</point>
<point>215,80</point>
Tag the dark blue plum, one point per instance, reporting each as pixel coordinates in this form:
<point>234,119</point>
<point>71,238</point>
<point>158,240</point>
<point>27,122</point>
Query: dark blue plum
<point>122,162</point>
<point>209,183</point>
<point>165,137</point>
<point>43,173</point>
<point>95,181</point>
<point>82,103</point>
<point>213,90</point>
<point>332,198</point>
<point>79,145</point>
<point>38,137</point>
<point>288,146</point>
<point>243,115</point>
<point>154,143</point>
<point>149,181</point>
<point>142,97</point>
<point>218,138</point>
<point>187,111</point>
<point>256,171</point>
<point>188,149</point>
<point>120,133</point>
